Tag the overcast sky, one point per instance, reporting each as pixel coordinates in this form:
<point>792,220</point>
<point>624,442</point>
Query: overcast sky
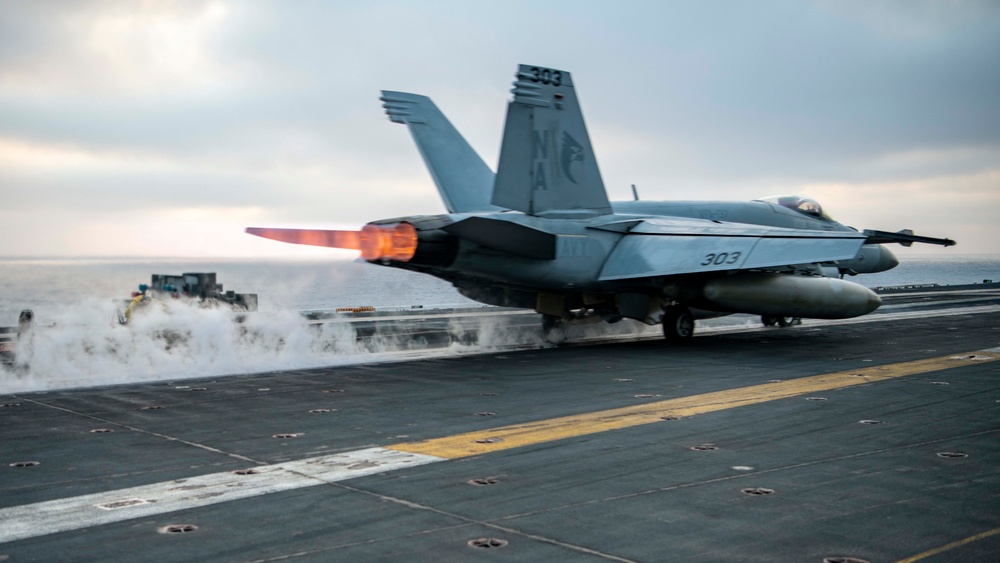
<point>164,128</point>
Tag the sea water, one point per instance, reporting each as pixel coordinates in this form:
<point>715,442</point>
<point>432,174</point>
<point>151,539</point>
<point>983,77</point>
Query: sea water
<point>50,286</point>
<point>78,342</point>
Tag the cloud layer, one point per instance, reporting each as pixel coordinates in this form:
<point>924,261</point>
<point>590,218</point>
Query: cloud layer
<point>163,128</point>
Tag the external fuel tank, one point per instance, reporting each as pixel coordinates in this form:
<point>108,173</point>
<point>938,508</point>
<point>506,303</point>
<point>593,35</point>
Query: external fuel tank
<point>760,293</point>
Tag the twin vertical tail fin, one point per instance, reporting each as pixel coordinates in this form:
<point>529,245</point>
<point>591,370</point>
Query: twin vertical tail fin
<point>464,181</point>
<point>546,159</point>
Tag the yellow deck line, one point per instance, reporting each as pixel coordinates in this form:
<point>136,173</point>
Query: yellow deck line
<point>517,435</point>
<point>950,546</point>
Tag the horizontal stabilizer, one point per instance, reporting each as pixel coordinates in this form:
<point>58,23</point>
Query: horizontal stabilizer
<point>506,236</point>
<point>904,237</point>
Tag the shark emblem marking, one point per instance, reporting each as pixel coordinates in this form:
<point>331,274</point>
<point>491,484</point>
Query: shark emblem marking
<point>572,152</point>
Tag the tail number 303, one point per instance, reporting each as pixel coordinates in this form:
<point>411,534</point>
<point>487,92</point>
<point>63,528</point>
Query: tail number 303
<point>546,76</point>
<point>720,258</point>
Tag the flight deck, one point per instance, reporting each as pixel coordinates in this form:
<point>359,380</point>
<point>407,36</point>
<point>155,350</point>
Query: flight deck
<point>870,439</point>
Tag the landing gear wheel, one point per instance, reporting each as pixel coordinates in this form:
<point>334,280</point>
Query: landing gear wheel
<point>553,329</point>
<point>678,324</point>
<point>771,320</point>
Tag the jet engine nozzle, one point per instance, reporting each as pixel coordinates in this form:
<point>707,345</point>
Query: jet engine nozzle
<point>392,241</point>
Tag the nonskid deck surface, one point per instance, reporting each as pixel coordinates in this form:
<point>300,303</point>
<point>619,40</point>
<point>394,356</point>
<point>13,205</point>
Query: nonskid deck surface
<point>875,440</point>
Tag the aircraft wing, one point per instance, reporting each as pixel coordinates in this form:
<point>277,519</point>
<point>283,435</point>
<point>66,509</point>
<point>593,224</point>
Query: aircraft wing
<point>672,246</point>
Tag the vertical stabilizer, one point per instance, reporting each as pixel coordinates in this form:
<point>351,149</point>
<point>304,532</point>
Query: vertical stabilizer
<point>462,178</point>
<point>546,160</point>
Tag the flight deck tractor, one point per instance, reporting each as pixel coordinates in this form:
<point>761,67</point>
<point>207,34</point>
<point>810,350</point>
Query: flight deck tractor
<point>194,287</point>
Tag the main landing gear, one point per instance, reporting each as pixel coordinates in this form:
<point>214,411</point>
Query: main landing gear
<point>553,329</point>
<point>678,324</point>
<point>772,320</point>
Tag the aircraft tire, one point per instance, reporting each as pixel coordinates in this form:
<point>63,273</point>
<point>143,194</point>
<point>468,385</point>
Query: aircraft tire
<point>772,320</point>
<point>678,324</point>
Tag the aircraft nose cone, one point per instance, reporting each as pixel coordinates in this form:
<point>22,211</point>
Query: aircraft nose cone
<point>886,260</point>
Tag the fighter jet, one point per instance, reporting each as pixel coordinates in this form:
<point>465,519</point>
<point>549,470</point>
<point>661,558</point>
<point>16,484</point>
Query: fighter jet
<point>542,234</point>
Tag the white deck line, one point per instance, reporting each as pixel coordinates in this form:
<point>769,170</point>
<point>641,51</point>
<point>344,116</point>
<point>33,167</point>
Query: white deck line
<point>62,515</point>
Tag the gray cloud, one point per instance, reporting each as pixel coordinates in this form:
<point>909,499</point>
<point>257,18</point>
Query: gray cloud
<point>273,106</point>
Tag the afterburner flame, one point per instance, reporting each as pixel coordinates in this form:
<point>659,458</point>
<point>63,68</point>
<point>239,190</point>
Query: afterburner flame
<point>393,241</point>
<point>350,240</point>
<point>396,241</point>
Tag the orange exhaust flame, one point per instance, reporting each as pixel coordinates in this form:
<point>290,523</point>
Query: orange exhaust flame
<point>396,241</point>
<point>350,240</point>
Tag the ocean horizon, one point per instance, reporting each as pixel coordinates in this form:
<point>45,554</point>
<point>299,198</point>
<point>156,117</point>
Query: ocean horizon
<point>50,285</point>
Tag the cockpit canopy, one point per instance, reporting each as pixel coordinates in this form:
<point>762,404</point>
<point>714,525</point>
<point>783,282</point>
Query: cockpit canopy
<point>799,203</point>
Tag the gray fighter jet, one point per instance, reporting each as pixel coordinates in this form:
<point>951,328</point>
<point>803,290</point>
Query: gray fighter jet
<point>541,233</point>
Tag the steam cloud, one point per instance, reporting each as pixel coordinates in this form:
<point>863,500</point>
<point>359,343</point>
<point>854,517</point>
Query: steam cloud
<point>84,346</point>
